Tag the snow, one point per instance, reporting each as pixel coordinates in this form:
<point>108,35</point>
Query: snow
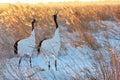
<point>70,66</point>
<point>113,35</point>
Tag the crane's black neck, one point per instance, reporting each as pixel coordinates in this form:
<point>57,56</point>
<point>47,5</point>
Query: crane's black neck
<point>55,20</point>
<point>32,26</point>
<point>33,22</point>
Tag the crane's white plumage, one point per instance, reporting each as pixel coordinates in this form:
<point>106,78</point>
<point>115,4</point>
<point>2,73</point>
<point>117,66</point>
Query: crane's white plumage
<point>52,45</point>
<point>25,46</point>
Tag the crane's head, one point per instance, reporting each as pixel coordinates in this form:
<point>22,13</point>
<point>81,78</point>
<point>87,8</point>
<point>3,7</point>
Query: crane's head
<point>33,21</point>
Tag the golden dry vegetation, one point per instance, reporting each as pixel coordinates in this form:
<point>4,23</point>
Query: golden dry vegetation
<point>15,20</point>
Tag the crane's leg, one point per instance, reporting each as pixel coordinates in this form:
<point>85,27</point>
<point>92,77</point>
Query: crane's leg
<point>49,64</point>
<point>30,62</point>
<point>38,50</point>
<point>56,64</point>
<point>19,61</point>
<point>48,61</point>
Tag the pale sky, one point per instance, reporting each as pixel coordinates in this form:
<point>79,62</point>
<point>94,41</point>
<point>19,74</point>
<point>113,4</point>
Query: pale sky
<point>45,1</point>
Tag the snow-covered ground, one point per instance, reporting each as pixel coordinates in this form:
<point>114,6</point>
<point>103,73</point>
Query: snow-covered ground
<point>71,66</point>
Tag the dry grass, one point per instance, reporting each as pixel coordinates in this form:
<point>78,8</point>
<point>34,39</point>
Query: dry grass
<point>106,65</point>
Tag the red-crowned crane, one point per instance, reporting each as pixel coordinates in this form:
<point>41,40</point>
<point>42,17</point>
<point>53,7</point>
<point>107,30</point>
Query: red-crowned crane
<point>51,47</point>
<point>25,47</point>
